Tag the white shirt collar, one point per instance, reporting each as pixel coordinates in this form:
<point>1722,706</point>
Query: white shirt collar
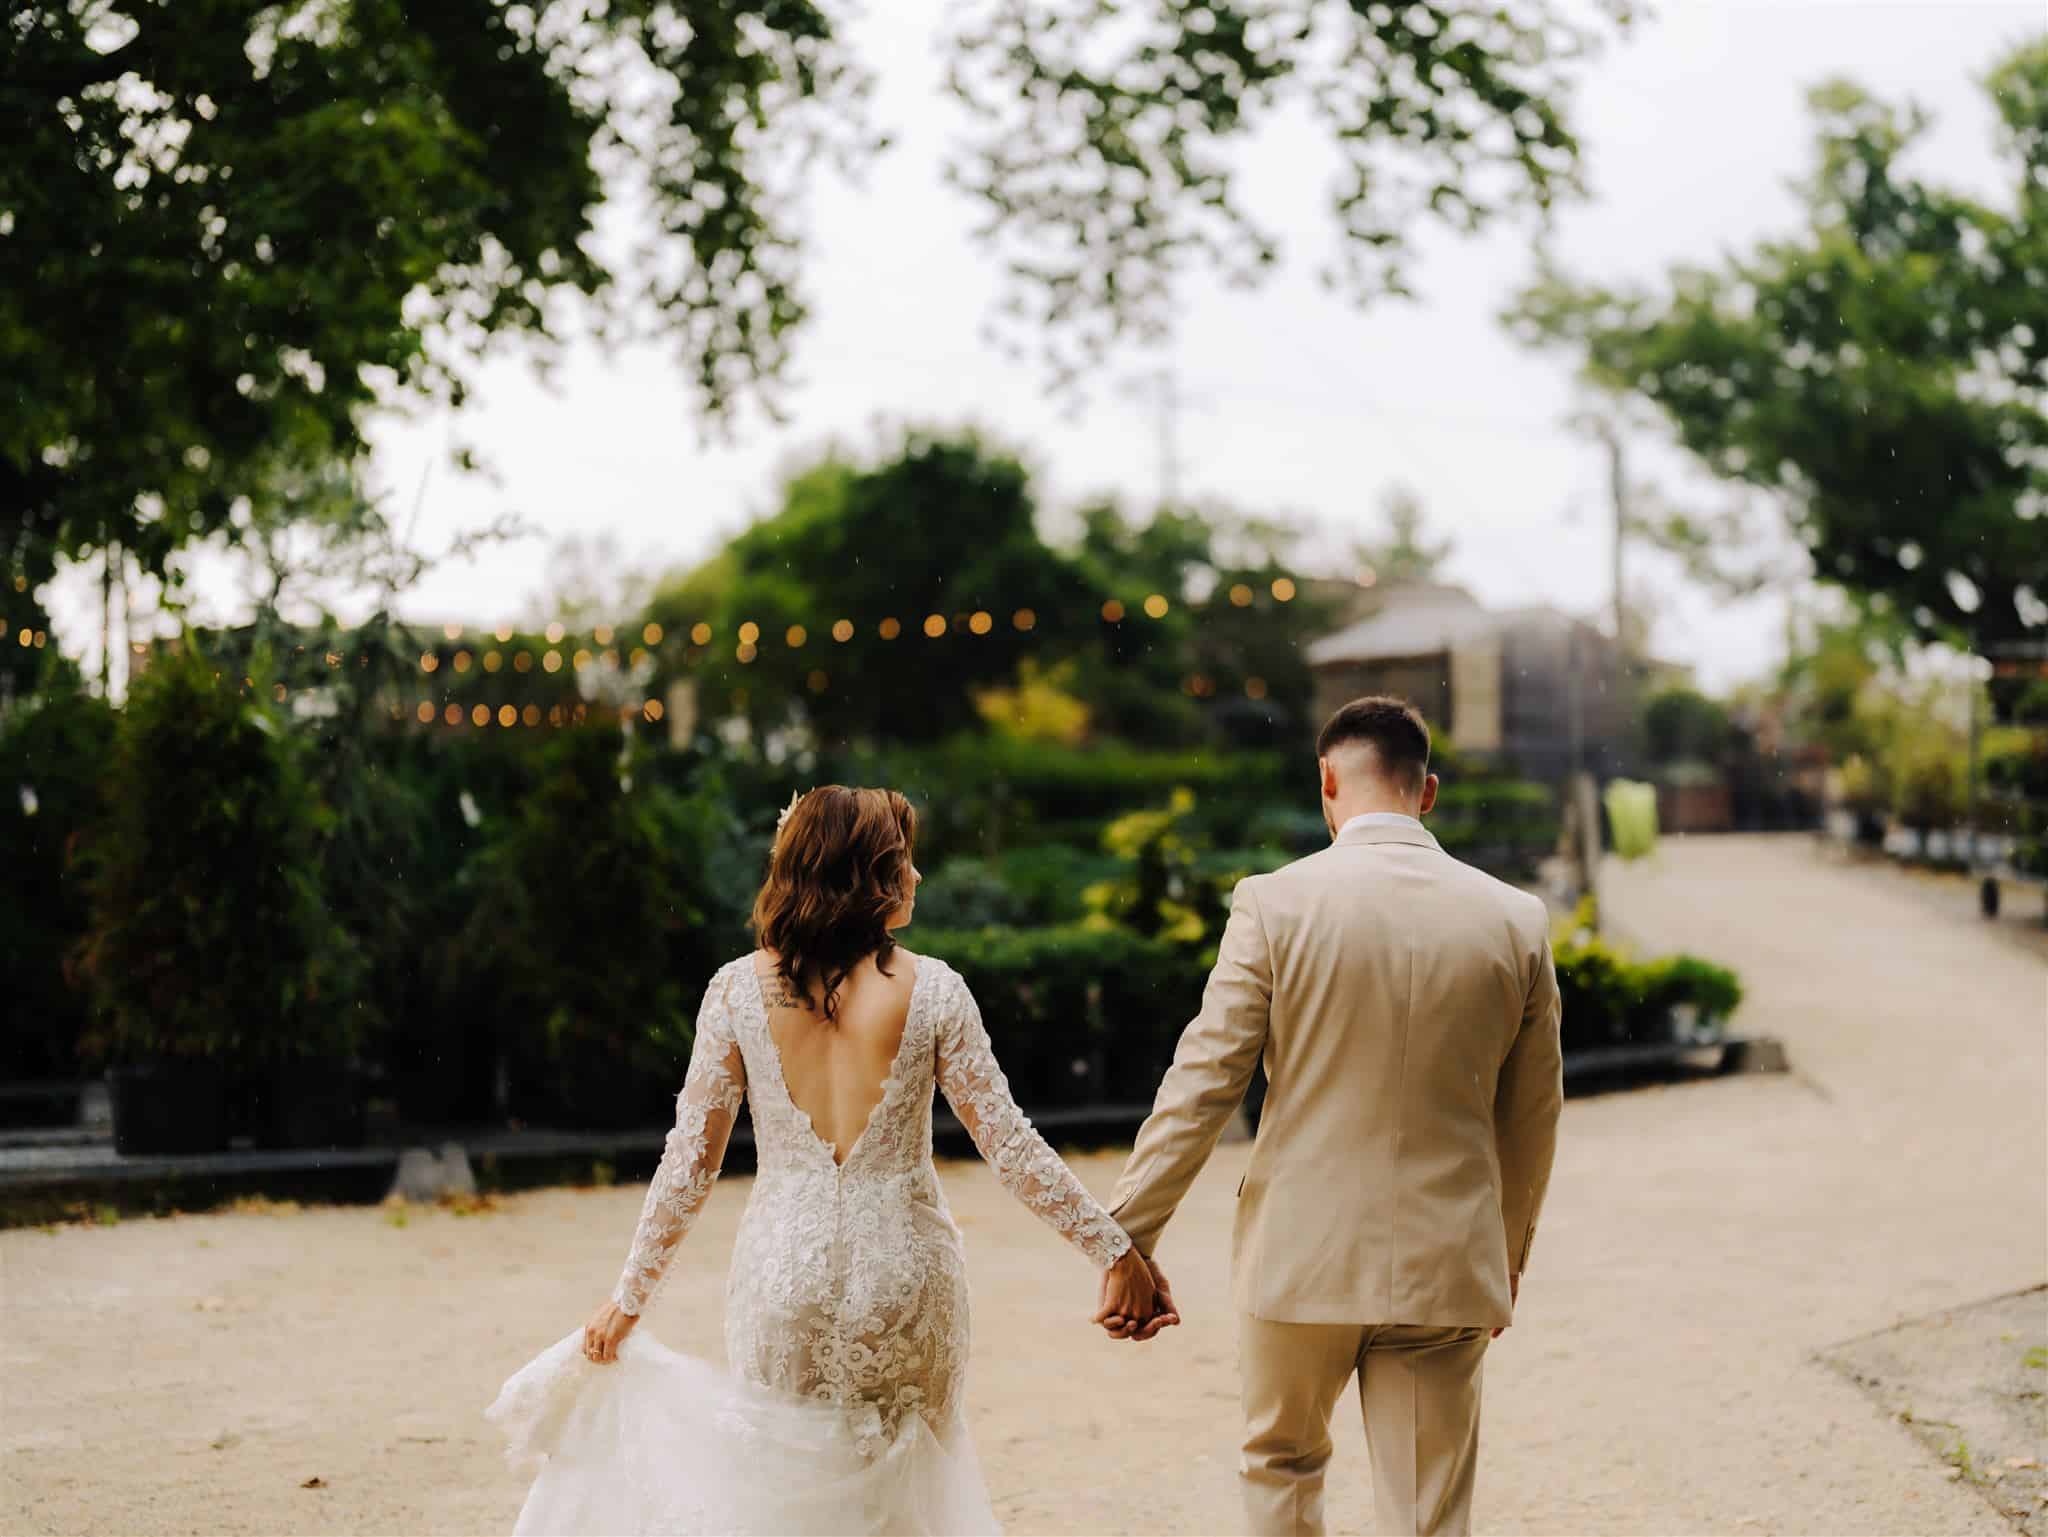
<point>1380,819</point>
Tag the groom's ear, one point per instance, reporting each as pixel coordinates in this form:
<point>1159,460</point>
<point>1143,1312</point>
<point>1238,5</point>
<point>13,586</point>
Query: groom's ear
<point>1429,785</point>
<point>1328,775</point>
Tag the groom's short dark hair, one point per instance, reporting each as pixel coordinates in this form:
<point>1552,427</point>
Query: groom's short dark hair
<point>1394,727</point>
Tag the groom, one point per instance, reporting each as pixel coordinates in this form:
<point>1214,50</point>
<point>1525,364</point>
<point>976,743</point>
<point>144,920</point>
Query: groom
<point>1407,1011</point>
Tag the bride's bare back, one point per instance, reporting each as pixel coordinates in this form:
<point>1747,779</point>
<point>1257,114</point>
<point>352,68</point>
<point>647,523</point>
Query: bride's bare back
<point>837,1071</point>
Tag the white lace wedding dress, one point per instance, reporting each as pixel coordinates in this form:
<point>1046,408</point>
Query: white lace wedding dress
<point>846,1307</point>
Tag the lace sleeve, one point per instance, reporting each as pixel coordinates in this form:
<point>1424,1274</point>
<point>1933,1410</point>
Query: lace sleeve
<point>690,1159</point>
<point>1027,1167</point>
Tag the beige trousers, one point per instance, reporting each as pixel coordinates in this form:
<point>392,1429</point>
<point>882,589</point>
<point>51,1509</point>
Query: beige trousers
<point>1419,1389</point>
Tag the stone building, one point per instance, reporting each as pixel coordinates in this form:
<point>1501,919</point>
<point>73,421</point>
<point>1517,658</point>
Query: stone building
<point>1531,689</point>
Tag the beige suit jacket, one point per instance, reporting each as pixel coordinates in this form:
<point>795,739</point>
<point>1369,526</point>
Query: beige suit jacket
<point>1407,1010</point>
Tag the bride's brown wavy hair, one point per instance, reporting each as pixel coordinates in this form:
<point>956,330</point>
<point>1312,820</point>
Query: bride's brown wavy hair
<point>840,867</point>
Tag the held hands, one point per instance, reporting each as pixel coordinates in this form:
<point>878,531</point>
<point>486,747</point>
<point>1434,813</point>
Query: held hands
<point>608,1325</point>
<point>1136,1303</point>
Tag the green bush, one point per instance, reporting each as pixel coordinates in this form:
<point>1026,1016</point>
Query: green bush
<point>209,934</point>
<point>1674,981</point>
<point>594,904</point>
<point>53,749</point>
<point>1610,999</point>
<point>1049,880</point>
<point>982,794</point>
<point>1077,1014</point>
<point>968,893</point>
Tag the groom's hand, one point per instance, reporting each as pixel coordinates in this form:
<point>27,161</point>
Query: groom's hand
<point>1135,1303</point>
<point>1164,1313</point>
<point>1514,1296</point>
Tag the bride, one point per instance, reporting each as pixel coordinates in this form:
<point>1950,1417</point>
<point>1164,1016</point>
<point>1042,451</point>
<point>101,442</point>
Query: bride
<point>846,1306</point>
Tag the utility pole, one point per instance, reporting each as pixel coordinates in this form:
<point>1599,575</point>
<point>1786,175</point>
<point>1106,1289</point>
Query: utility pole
<point>1604,429</point>
<point>1167,401</point>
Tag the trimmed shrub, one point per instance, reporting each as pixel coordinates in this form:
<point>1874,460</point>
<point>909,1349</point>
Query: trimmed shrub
<point>1077,1014</point>
<point>594,907</point>
<point>209,935</point>
<point>52,751</point>
<point>968,893</point>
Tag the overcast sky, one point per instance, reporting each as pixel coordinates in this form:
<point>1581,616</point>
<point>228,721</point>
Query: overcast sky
<point>1298,403</point>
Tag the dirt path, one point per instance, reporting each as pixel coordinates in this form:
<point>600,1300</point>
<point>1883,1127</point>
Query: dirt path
<point>1702,1245</point>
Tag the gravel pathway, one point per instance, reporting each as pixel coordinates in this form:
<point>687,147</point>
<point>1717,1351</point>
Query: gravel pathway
<point>1704,1244</point>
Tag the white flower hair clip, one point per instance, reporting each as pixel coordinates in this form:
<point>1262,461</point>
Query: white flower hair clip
<point>786,810</point>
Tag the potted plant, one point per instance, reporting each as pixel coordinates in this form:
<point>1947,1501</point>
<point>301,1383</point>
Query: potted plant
<point>595,909</point>
<point>52,748</point>
<point>213,962</point>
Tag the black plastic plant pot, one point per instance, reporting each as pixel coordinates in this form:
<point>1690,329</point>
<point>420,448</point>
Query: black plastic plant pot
<point>169,1106</point>
<point>308,1103</point>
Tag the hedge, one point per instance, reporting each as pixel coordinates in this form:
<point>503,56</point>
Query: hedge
<point>1077,1014</point>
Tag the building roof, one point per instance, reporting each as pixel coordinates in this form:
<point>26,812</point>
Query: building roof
<point>1415,620</point>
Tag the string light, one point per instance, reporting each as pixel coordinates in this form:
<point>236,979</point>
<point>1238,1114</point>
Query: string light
<point>652,709</point>
<point>981,623</point>
<point>795,635</point>
<point>817,680</point>
<point>461,661</point>
<point>452,631</point>
<point>700,634</point>
<point>429,662</point>
<point>652,635</point>
<point>842,630</point>
<point>493,660</point>
<point>635,659</point>
<point>555,632</point>
<point>1155,605</point>
<point>890,629</point>
<point>1283,588</point>
<point>580,660</point>
<point>508,715</point>
<point>27,637</point>
<point>426,712</point>
<point>481,715</point>
<point>504,633</point>
<point>453,715</point>
<point>750,633</point>
<point>1024,619</point>
<point>523,662</point>
<point>746,652</point>
<point>531,715</point>
<point>935,625</point>
<point>552,662</point>
<point>1113,611</point>
<point>1241,595</point>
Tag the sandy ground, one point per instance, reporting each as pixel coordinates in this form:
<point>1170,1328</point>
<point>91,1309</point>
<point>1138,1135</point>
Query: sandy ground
<point>1703,1247</point>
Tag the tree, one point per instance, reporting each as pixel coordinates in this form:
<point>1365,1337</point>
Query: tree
<point>226,228</point>
<point>1883,373</point>
<point>880,598</point>
<point>1402,555</point>
<point>1227,647</point>
<point>1682,725</point>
